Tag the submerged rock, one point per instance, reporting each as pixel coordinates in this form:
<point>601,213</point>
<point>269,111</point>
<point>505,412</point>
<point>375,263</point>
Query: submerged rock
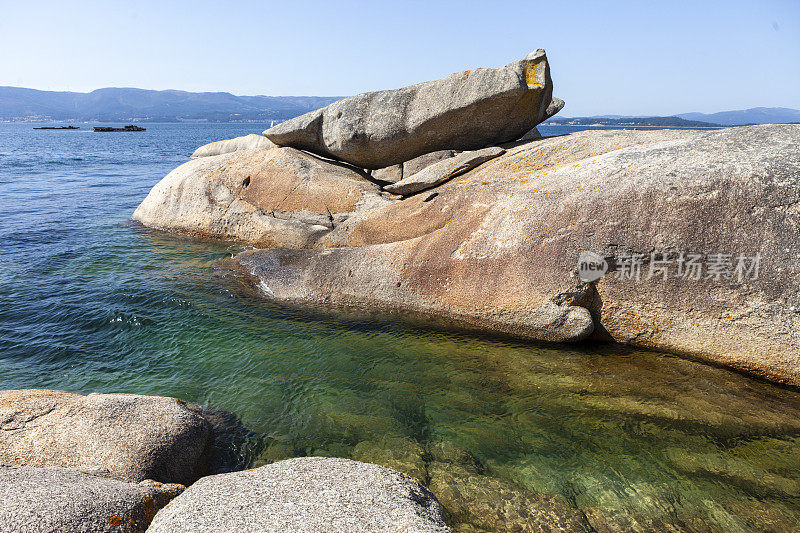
<point>443,171</point>
<point>125,436</point>
<point>305,494</point>
<point>56,499</point>
<point>498,246</point>
<point>279,197</point>
<point>465,111</point>
<point>401,454</point>
<point>246,142</point>
<point>475,501</point>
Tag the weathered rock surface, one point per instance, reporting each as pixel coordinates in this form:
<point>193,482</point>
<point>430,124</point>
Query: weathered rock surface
<point>465,111</point>
<point>56,499</point>
<point>424,161</point>
<point>391,174</point>
<point>443,171</point>
<point>497,247</point>
<point>279,197</point>
<point>306,494</point>
<point>246,142</point>
<point>395,173</point>
<point>125,436</point>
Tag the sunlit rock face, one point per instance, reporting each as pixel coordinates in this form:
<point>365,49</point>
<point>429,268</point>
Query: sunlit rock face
<point>498,246</point>
<point>465,111</point>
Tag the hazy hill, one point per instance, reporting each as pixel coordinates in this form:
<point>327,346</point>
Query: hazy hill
<point>632,121</point>
<point>114,104</point>
<point>127,104</point>
<point>756,115</point>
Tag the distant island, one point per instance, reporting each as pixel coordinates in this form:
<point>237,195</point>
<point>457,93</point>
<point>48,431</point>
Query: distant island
<point>742,117</point>
<point>630,121</point>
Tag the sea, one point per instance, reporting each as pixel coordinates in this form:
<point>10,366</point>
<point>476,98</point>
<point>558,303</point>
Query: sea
<point>91,302</point>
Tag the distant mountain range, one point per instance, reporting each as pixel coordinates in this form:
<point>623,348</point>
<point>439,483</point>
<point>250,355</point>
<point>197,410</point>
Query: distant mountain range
<point>631,121</point>
<point>756,115</point>
<point>114,104</point>
<point>142,105</point>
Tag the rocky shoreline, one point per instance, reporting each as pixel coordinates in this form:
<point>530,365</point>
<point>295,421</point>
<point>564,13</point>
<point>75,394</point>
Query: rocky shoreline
<point>121,462</point>
<point>439,198</point>
<point>696,230</point>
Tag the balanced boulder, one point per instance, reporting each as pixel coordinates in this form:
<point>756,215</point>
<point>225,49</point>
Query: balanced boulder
<point>246,142</point>
<point>443,171</point>
<point>306,494</point>
<point>45,500</point>
<point>278,197</point>
<point>125,436</point>
<point>465,111</point>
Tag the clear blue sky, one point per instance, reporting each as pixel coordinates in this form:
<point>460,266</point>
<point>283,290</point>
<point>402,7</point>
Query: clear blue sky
<point>607,57</point>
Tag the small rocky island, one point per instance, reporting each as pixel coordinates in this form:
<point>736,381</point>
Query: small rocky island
<point>129,127</point>
<point>440,198</point>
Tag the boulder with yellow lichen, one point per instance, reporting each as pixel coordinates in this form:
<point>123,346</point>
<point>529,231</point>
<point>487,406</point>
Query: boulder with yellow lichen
<point>465,111</point>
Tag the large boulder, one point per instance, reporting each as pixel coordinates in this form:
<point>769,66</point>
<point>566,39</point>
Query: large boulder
<point>125,436</point>
<point>444,170</point>
<point>245,142</point>
<point>46,500</point>
<point>498,247</point>
<point>279,197</point>
<point>465,111</point>
<point>306,494</point>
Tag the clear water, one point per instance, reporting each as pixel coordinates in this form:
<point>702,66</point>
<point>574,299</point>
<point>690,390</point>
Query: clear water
<point>91,303</point>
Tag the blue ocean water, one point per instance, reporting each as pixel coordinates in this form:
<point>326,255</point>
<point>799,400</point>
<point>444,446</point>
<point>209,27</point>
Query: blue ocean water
<point>92,303</point>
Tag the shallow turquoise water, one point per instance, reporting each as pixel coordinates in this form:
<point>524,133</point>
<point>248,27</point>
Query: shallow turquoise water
<point>89,302</point>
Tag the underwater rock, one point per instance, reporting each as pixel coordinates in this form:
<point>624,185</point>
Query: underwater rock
<point>475,501</point>
<point>401,454</point>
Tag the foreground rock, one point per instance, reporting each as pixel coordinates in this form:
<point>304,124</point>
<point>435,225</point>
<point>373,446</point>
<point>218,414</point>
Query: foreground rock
<point>56,499</point>
<point>246,142</point>
<point>497,248</point>
<point>280,197</point>
<point>443,171</point>
<point>465,111</point>
<point>125,436</point>
<point>305,495</point>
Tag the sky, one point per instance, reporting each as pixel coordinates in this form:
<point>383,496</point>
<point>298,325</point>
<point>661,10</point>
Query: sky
<point>606,57</point>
